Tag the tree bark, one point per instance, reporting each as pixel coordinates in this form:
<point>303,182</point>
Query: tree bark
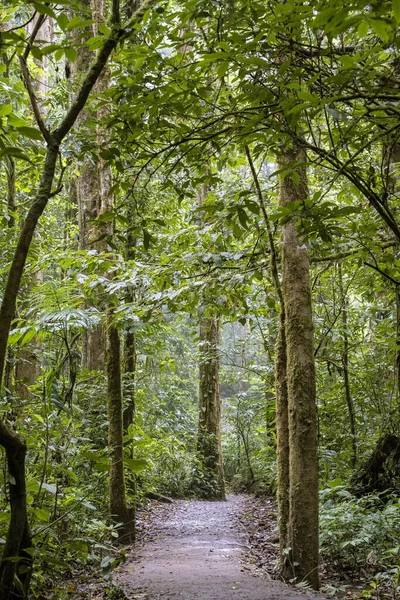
<point>120,514</point>
<point>209,430</point>
<point>18,536</point>
<point>391,160</point>
<point>130,339</point>
<point>282,433</point>
<point>345,364</point>
<point>15,446</point>
<point>302,563</point>
<point>281,391</point>
<point>91,193</point>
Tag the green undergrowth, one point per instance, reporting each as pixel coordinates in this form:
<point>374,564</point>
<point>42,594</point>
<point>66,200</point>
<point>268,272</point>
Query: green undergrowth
<point>360,537</point>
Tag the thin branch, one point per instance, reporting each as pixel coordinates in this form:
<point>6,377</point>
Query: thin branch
<point>32,96</point>
<point>340,255</point>
<point>115,14</point>
<point>386,275</point>
<point>36,29</point>
<point>274,260</point>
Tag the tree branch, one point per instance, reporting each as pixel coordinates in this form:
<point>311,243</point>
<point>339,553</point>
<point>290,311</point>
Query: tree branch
<point>386,275</point>
<point>32,96</point>
<point>117,35</point>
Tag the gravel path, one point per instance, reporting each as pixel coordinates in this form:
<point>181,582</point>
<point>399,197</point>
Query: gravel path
<point>194,553</point>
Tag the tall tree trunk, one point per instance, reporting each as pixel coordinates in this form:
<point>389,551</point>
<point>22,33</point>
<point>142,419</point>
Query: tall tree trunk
<point>398,338</point>
<point>13,444</point>
<point>130,339</point>
<point>345,363</point>
<point>11,191</point>
<point>93,184</point>
<point>281,390</point>
<point>391,162</point>
<point>302,563</point>
<point>19,536</point>
<point>282,433</point>
<point>209,428</point>
<point>209,431</point>
<point>118,509</point>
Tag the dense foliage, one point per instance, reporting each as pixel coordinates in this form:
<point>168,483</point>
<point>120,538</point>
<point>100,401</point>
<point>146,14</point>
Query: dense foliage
<point>208,96</point>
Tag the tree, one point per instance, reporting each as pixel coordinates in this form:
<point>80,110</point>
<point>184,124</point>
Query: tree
<point>209,429</point>
<point>303,474</point>
<point>14,445</point>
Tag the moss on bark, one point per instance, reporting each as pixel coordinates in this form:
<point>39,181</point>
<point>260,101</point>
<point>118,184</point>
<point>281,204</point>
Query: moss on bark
<point>302,562</point>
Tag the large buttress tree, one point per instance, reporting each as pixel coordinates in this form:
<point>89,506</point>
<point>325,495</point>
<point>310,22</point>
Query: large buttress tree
<point>18,537</point>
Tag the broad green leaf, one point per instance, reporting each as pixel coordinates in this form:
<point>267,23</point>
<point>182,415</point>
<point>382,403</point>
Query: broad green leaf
<point>5,109</point>
<point>70,53</point>
<point>30,132</point>
<point>14,152</point>
<point>41,514</point>
<point>136,464</point>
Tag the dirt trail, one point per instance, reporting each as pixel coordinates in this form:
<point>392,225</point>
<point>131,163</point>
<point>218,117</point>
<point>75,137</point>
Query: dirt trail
<point>194,553</point>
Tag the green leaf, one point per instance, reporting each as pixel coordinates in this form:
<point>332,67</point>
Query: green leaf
<point>363,28</point>
<point>16,121</point>
<point>15,152</point>
<point>396,10</point>
<point>242,215</point>
<point>381,29</point>
<point>30,132</point>
<point>41,514</point>
<point>96,42</point>
<point>32,485</point>
<point>70,53</point>
<point>335,483</point>
<point>136,464</point>
<point>76,22</point>
<point>62,20</point>
<point>147,239</point>
<point>36,52</point>
<point>43,9</point>
<point>5,109</point>
<point>103,28</point>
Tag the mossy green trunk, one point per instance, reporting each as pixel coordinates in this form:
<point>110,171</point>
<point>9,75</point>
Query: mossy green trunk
<point>209,433</point>
<point>282,432</point>
<point>345,363</point>
<point>281,392</point>
<point>118,509</point>
<point>302,563</point>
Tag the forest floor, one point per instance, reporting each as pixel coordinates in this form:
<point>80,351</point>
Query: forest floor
<point>194,550</point>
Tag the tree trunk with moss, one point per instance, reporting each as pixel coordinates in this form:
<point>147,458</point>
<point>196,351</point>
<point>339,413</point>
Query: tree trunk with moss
<point>209,428</point>
<point>15,447</point>
<point>281,392</point>
<point>93,184</point>
<point>302,561</point>
<point>391,166</point>
<point>209,431</point>
<point>282,434</point>
<point>119,511</point>
<point>345,364</point>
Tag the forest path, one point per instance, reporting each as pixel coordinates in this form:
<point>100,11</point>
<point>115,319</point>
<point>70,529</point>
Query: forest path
<point>194,553</point>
